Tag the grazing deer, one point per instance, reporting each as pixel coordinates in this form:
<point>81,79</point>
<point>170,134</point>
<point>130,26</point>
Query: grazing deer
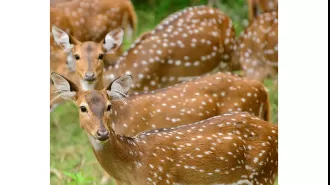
<point>90,20</point>
<point>188,43</point>
<point>257,49</point>
<point>235,148</point>
<point>262,6</point>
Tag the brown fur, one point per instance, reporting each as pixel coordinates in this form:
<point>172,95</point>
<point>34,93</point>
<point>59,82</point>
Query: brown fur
<point>136,160</point>
<point>237,137</point>
<point>81,24</point>
<point>188,43</point>
<point>182,95</point>
<point>255,59</point>
<point>88,53</point>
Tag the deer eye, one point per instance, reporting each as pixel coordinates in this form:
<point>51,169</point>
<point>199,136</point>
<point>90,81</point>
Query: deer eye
<point>100,56</point>
<point>108,107</point>
<point>77,57</point>
<point>83,109</point>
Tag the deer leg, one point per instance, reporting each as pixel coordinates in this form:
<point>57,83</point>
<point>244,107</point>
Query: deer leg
<point>129,33</point>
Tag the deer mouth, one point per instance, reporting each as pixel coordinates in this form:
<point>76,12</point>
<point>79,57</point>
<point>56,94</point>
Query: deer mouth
<point>90,80</point>
<point>102,138</point>
<point>102,135</point>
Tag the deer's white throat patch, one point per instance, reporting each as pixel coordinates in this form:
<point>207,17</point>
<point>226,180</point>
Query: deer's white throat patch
<point>86,86</point>
<point>97,145</point>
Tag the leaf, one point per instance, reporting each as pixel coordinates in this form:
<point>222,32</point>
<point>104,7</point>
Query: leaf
<point>80,177</point>
<point>71,175</point>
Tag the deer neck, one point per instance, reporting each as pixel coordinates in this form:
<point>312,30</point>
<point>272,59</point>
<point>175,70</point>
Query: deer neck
<point>119,156</point>
<point>126,117</point>
<point>99,83</point>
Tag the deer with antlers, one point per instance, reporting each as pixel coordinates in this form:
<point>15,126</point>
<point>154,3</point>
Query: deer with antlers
<point>188,43</point>
<point>257,50</point>
<point>233,148</point>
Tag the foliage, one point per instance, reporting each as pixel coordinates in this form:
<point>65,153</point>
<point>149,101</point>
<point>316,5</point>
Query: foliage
<point>78,178</point>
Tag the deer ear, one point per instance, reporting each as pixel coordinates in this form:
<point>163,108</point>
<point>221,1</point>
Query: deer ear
<point>119,88</point>
<point>113,40</point>
<point>64,40</point>
<point>65,88</point>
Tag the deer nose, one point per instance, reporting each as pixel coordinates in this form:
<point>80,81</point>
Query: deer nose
<point>90,76</point>
<point>102,135</point>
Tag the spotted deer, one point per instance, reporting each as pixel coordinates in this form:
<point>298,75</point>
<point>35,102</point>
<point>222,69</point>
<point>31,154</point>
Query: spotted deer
<point>234,148</point>
<point>88,56</point>
<point>257,49</point>
<point>87,77</point>
<point>191,101</point>
<point>188,43</point>
<point>86,20</point>
<point>261,6</point>
<point>90,20</point>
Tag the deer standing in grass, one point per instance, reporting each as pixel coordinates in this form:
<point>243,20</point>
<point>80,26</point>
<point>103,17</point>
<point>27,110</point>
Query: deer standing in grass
<point>188,43</point>
<point>212,95</point>
<point>235,148</point>
<point>257,49</point>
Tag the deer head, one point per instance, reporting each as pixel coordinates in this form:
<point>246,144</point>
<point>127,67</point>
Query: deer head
<point>87,57</point>
<point>94,106</point>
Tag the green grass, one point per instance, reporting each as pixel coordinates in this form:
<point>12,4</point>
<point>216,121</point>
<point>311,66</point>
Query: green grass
<point>72,159</point>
